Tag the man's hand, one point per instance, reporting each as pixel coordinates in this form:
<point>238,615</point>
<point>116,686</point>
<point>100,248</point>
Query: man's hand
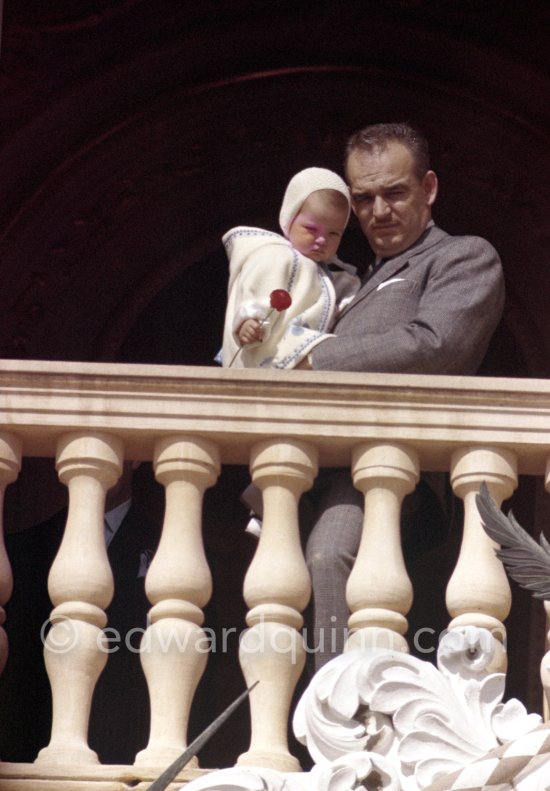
<point>250,331</point>
<point>303,365</point>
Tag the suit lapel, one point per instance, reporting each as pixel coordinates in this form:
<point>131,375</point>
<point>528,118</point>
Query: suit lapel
<point>393,266</point>
<point>385,272</point>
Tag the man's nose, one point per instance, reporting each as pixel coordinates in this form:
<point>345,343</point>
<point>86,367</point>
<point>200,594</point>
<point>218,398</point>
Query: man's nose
<point>381,207</point>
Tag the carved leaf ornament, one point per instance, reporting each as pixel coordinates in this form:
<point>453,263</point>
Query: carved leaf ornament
<point>383,720</point>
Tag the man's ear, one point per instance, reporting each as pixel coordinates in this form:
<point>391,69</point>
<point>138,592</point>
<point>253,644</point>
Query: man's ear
<point>430,186</point>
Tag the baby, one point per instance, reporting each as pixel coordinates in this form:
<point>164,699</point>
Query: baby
<point>303,262</point>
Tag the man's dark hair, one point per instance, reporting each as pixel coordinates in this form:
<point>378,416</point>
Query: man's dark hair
<point>377,136</point>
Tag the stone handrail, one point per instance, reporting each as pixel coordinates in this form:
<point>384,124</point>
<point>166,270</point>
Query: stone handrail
<point>188,421</point>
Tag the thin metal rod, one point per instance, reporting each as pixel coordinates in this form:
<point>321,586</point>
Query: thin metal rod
<point>162,782</point>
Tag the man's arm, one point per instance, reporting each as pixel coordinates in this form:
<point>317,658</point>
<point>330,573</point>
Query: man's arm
<point>459,306</point>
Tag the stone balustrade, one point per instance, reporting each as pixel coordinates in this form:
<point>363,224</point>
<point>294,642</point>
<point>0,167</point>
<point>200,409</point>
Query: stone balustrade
<point>188,422</point>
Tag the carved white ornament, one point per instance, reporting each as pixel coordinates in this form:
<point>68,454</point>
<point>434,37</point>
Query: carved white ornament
<point>380,719</point>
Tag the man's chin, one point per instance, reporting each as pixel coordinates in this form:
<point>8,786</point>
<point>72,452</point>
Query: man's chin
<point>386,246</point>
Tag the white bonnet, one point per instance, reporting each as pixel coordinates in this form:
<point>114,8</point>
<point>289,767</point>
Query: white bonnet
<point>300,188</point>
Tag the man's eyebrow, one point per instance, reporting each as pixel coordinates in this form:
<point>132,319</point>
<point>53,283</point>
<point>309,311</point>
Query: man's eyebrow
<point>359,193</point>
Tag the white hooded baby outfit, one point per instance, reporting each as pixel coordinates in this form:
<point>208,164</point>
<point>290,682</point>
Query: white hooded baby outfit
<point>260,262</point>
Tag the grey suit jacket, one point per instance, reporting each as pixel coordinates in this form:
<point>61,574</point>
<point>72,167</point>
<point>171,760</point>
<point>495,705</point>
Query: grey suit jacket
<point>429,310</point>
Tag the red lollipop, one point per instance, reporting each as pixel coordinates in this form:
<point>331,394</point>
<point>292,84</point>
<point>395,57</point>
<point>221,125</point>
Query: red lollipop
<point>280,299</point>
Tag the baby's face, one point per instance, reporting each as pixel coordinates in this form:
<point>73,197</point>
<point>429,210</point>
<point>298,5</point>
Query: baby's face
<point>317,229</point>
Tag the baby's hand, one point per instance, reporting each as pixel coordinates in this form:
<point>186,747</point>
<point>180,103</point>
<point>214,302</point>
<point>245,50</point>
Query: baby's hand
<point>250,331</point>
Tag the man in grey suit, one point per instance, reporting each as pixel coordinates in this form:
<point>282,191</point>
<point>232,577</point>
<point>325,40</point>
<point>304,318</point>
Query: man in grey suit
<point>429,304</point>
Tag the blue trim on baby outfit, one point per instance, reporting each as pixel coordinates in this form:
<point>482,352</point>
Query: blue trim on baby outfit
<point>323,277</point>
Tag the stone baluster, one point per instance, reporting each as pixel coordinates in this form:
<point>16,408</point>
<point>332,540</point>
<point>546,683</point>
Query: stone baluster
<point>379,591</point>
<point>178,584</point>
<point>10,464</point>
<point>80,584</point>
<point>478,593</point>
<point>277,588</point>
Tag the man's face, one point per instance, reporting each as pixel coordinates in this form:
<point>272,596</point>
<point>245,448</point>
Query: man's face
<point>392,205</point>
